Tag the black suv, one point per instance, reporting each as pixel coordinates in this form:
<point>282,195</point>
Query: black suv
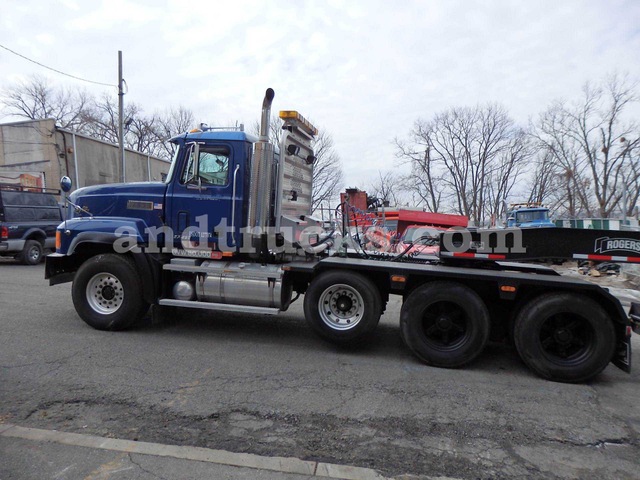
<point>28,221</point>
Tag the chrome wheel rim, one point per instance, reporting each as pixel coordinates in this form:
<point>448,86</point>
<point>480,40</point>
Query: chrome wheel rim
<point>105,294</point>
<point>341,307</point>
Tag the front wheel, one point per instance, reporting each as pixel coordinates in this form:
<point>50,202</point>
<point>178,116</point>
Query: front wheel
<point>564,337</point>
<point>342,307</point>
<point>107,293</point>
<point>445,324</point>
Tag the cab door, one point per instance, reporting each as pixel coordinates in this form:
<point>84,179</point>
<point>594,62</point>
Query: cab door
<point>200,199</point>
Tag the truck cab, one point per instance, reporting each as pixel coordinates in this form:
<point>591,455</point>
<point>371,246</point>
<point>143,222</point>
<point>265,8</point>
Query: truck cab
<point>528,215</point>
<point>206,188</point>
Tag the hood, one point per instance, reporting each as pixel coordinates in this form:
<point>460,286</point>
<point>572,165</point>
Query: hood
<point>143,200</point>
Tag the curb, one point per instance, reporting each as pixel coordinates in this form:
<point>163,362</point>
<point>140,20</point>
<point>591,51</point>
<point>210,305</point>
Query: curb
<point>246,460</point>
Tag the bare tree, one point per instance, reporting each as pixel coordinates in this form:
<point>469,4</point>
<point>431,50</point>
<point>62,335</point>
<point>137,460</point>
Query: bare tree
<point>552,185</point>
<point>466,159</point>
<point>508,166</point>
<point>142,135</point>
<point>275,130</point>
<point>327,171</point>
<point>171,123</point>
<point>583,141</point>
<point>388,187</point>
<point>544,179</point>
<point>424,183</point>
<point>37,99</point>
<point>141,132</point>
<point>103,119</point>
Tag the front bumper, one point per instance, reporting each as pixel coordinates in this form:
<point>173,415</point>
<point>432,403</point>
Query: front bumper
<point>59,268</point>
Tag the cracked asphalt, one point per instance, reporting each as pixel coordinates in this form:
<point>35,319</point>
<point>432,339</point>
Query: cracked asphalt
<point>269,386</point>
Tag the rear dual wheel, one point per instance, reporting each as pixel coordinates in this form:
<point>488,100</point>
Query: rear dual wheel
<point>445,324</point>
<point>564,337</point>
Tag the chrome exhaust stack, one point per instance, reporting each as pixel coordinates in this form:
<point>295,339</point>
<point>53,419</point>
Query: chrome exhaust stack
<point>260,191</point>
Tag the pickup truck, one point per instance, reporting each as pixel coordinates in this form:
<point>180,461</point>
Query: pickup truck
<point>28,221</point>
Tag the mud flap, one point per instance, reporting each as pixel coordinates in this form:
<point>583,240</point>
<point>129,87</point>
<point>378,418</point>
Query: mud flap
<point>622,359</point>
<point>634,317</point>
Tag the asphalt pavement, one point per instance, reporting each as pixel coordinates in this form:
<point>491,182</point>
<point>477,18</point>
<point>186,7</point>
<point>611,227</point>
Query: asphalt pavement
<point>268,387</point>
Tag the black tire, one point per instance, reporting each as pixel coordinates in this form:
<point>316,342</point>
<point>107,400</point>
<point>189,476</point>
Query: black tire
<point>445,324</point>
<point>115,301</point>
<point>564,337</point>
<point>343,307</point>
<point>32,253</point>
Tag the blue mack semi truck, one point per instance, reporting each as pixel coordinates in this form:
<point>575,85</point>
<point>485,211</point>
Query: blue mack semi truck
<point>529,215</point>
<point>231,229</point>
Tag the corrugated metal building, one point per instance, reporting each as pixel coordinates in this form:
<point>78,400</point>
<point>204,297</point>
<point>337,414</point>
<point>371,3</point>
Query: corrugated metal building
<point>37,153</point>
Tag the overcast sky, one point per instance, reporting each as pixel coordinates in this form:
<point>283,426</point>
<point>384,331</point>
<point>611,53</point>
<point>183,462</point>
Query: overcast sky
<point>362,70</point>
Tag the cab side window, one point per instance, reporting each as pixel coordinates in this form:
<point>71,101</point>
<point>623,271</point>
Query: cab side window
<point>213,166</point>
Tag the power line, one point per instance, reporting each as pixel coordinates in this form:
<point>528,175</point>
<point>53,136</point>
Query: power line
<point>58,71</point>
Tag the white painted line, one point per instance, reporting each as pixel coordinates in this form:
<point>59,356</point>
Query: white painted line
<point>246,460</point>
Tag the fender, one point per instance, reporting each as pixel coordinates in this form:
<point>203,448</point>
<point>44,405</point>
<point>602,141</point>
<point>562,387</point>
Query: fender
<point>102,230</point>
<point>34,232</point>
<point>81,238</point>
<point>62,268</point>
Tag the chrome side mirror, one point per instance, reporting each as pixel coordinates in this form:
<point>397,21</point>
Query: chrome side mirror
<point>65,184</point>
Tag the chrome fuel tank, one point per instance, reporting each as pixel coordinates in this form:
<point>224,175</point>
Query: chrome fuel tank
<point>242,284</point>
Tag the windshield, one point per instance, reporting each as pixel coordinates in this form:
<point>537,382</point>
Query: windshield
<point>173,166</point>
<point>391,225</point>
<point>532,216</point>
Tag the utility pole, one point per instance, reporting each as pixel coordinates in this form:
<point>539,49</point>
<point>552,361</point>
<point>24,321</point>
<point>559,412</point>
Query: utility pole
<point>123,162</point>
<point>625,144</point>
